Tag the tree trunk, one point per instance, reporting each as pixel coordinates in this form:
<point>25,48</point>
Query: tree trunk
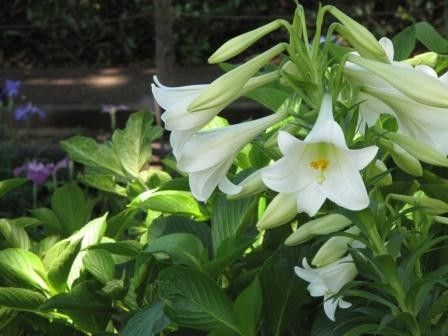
<point>164,40</point>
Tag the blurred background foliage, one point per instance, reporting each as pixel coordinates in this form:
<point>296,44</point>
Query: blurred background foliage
<point>116,32</point>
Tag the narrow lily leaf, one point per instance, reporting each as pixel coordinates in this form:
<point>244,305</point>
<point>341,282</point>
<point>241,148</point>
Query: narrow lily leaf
<point>248,307</point>
<point>130,248</point>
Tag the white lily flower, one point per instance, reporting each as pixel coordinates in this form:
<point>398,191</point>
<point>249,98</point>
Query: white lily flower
<point>207,155</point>
<point>327,281</point>
<point>423,122</point>
<point>321,166</point>
<point>181,122</point>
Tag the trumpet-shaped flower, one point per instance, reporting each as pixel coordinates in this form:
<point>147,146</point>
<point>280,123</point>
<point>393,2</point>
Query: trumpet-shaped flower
<point>327,281</point>
<point>321,166</point>
<point>422,121</point>
<point>207,155</point>
<point>181,122</point>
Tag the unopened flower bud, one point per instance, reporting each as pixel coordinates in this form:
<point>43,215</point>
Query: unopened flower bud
<point>431,206</point>
<point>379,171</point>
<point>251,185</point>
<point>319,226</point>
<point>405,161</point>
<point>281,210</point>
<point>241,42</point>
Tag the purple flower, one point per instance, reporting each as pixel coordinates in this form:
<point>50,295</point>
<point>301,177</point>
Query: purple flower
<point>11,88</point>
<point>61,164</point>
<point>24,112</point>
<point>112,109</point>
<point>36,171</point>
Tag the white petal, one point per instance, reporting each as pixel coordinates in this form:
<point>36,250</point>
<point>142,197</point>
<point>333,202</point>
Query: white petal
<point>287,175</point>
<point>202,183</point>
<point>194,87</point>
<point>427,70</point>
<point>166,99</point>
<point>326,129</point>
<point>229,188</point>
<point>362,157</point>
<point>344,185</point>
<point>290,145</point>
<point>330,306</point>
<point>317,289</point>
<point>177,141</point>
<point>370,109</point>
<point>344,304</point>
<point>306,274</point>
<point>310,199</point>
<point>388,47</point>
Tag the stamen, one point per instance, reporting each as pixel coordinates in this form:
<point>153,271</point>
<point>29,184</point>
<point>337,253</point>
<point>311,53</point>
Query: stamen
<point>322,165</point>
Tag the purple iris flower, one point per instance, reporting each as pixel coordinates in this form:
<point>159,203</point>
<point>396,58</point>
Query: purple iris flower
<point>24,112</point>
<point>11,88</point>
<point>36,171</point>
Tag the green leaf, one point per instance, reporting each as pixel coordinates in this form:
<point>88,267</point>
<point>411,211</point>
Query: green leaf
<point>20,298</point>
<point>404,43</point>
<point>8,185</point>
<point>247,307</point>
<point>270,97</point>
<point>100,264</point>
<point>102,182</point>
<point>19,265</point>
<point>282,306</point>
<point>48,219</point>
<point>91,234</point>
<point>133,144</point>
<point>195,301</point>
<point>169,201</point>
<point>130,248</point>
<point>71,206</point>
<point>118,224</point>
<point>147,321</point>
<point>14,234</point>
<point>86,151</point>
<point>231,218</point>
<point>183,248</point>
<point>59,259</point>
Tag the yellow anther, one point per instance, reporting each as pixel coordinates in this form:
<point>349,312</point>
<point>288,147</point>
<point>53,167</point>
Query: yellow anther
<point>322,165</point>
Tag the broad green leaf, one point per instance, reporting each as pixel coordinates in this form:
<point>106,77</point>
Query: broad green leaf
<point>195,301</point>
<point>100,264</point>
<point>130,248</point>
<point>14,234</point>
<point>48,219</point>
<point>281,307</point>
<point>91,234</point>
<point>179,224</point>
<point>231,218</point>
<point>247,307</point>
<point>8,185</point>
<point>86,151</point>
<point>71,206</point>
<point>102,182</point>
<point>118,224</point>
<point>183,248</point>
<point>59,259</point>
<point>20,298</point>
<point>404,43</point>
<point>147,321</point>
<point>19,265</point>
<point>169,201</point>
<point>133,144</point>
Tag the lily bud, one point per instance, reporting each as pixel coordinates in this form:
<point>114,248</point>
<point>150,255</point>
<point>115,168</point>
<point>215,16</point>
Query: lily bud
<point>417,85</point>
<point>405,161</point>
<point>431,206</point>
<point>418,149</point>
<point>281,210</point>
<point>334,248</point>
<point>320,226</point>
<point>225,88</point>
<point>251,185</point>
<point>359,37</point>
<point>241,42</point>
<point>379,169</point>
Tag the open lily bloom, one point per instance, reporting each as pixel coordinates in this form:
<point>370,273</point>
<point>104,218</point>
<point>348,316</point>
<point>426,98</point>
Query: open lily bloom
<point>327,281</point>
<point>321,166</point>
<point>423,122</point>
<point>181,122</point>
<point>207,155</point>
